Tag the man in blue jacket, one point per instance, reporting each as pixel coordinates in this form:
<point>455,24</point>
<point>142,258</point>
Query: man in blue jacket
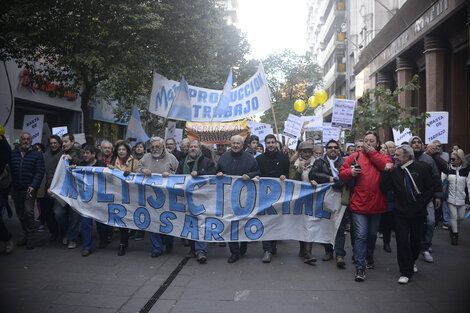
<point>27,169</point>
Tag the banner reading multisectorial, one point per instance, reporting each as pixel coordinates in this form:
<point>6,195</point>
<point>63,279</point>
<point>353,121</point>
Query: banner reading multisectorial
<point>204,208</point>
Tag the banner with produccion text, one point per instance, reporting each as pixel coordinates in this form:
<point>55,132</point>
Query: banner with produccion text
<point>211,133</point>
<point>203,208</point>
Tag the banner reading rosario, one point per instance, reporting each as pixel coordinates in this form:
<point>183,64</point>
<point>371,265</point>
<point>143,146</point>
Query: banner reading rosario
<point>204,208</point>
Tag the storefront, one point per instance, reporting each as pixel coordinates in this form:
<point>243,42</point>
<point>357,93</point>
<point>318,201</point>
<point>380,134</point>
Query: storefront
<point>430,39</point>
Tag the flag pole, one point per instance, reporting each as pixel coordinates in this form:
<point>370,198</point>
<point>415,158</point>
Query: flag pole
<point>274,117</point>
<point>169,110</point>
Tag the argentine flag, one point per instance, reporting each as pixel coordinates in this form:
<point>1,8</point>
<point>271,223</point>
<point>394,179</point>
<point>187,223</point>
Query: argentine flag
<point>181,108</point>
<point>135,129</point>
<point>225,97</point>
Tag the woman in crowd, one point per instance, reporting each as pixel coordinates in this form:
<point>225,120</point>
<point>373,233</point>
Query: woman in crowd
<point>367,201</point>
<point>123,161</point>
<point>459,179</point>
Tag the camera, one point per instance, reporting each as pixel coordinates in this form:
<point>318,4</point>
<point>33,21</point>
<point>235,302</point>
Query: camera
<point>357,166</point>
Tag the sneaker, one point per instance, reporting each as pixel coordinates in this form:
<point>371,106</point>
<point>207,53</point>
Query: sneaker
<point>65,241</point>
<point>72,245</point>
<point>415,268</point>
<point>41,228</point>
<point>340,262</point>
<point>370,264</point>
<point>9,246</point>
<point>202,258</point>
<point>445,226</point>
<point>403,280</point>
<point>267,257</point>
<point>360,276</point>
<point>86,252</point>
<point>327,257</point>
<point>428,257</point>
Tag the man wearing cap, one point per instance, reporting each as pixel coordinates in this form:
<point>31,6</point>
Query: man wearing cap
<point>326,170</point>
<point>272,163</point>
<point>421,156</point>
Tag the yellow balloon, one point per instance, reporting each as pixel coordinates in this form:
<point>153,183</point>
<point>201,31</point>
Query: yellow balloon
<point>299,105</point>
<point>321,96</point>
<point>2,130</point>
<point>311,101</point>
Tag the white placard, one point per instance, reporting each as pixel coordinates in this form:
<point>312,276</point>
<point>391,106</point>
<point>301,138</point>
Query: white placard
<point>80,138</point>
<point>343,113</point>
<point>178,136</point>
<point>33,124</point>
<point>314,123</point>
<point>438,128</point>
<point>330,132</point>
<point>60,131</point>
<point>292,126</point>
<point>292,144</point>
<point>170,130</point>
<point>401,137</point>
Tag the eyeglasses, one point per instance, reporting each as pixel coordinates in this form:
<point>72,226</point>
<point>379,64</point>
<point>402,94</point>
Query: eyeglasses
<point>332,147</point>
<point>453,159</point>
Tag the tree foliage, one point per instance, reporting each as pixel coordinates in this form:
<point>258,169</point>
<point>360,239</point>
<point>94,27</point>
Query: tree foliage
<point>380,109</point>
<point>290,77</point>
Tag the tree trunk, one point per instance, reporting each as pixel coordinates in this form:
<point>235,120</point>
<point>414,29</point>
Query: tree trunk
<point>85,99</point>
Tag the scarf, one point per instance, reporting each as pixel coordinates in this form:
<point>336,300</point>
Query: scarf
<point>409,182</point>
<point>189,159</point>
<point>334,170</point>
<point>306,169</point>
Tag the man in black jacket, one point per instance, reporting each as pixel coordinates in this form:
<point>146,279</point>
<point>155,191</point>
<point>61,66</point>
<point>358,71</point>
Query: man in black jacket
<point>413,189</point>
<point>241,163</point>
<point>27,171</point>
<point>325,170</point>
<point>272,163</point>
<point>195,164</point>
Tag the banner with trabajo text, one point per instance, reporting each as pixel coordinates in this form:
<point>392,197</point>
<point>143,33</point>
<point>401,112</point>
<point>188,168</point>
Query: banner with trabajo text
<point>248,99</point>
<point>204,208</point>
<point>211,133</point>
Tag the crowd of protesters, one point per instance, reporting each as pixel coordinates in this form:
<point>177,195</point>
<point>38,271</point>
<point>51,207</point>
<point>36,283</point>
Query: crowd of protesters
<point>407,189</point>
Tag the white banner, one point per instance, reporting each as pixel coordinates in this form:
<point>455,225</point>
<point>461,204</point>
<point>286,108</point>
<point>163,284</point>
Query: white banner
<point>438,128</point>
<point>343,113</point>
<point>401,137</point>
<point>314,123</point>
<point>205,208</point>
<point>33,124</point>
<point>248,99</point>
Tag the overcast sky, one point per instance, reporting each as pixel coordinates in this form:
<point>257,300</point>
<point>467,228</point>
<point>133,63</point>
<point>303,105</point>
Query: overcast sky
<point>273,25</point>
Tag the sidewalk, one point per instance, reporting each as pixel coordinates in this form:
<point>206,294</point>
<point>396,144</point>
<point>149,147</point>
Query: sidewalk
<point>52,278</point>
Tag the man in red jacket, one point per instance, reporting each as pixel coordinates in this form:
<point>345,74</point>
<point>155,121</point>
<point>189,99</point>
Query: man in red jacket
<point>367,201</point>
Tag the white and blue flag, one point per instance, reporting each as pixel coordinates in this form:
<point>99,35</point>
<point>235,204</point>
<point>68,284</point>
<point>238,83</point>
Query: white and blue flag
<point>225,97</point>
<point>181,108</point>
<point>135,129</point>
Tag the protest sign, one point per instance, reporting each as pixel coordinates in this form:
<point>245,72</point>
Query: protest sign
<point>292,126</point>
<point>330,132</point>
<point>80,138</point>
<point>401,137</point>
<point>437,127</point>
<point>170,130</point>
<point>33,124</point>
<point>343,113</point>
<point>210,133</point>
<point>59,131</point>
<point>250,98</point>
<point>204,208</point>
<point>314,123</point>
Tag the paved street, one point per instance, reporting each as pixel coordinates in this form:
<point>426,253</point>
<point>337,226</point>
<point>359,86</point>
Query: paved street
<point>52,278</point>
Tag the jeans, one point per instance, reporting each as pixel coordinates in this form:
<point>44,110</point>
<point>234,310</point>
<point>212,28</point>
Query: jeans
<point>68,220</point>
<point>157,242</point>
<point>200,247</point>
<point>457,214</point>
<point>86,229</point>
<point>269,246</point>
<point>365,235</point>
<point>25,211</point>
<point>408,232</point>
<point>340,239</point>
<point>426,240</point>
<point>445,213</point>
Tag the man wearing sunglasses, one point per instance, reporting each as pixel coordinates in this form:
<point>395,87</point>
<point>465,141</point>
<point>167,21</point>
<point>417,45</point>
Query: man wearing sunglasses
<point>326,170</point>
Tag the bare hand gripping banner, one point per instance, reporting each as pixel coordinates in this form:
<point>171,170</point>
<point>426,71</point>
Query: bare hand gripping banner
<point>204,208</point>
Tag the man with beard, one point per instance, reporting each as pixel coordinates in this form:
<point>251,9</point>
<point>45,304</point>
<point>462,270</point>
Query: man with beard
<point>27,171</point>
<point>326,170</point>
<point>240,163</point>
<point>66,217</point>
<point>421,156</point>
<point>272,163</point>
<point>86,225</point>
<point>162,162</point>
<point>195,164</point>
